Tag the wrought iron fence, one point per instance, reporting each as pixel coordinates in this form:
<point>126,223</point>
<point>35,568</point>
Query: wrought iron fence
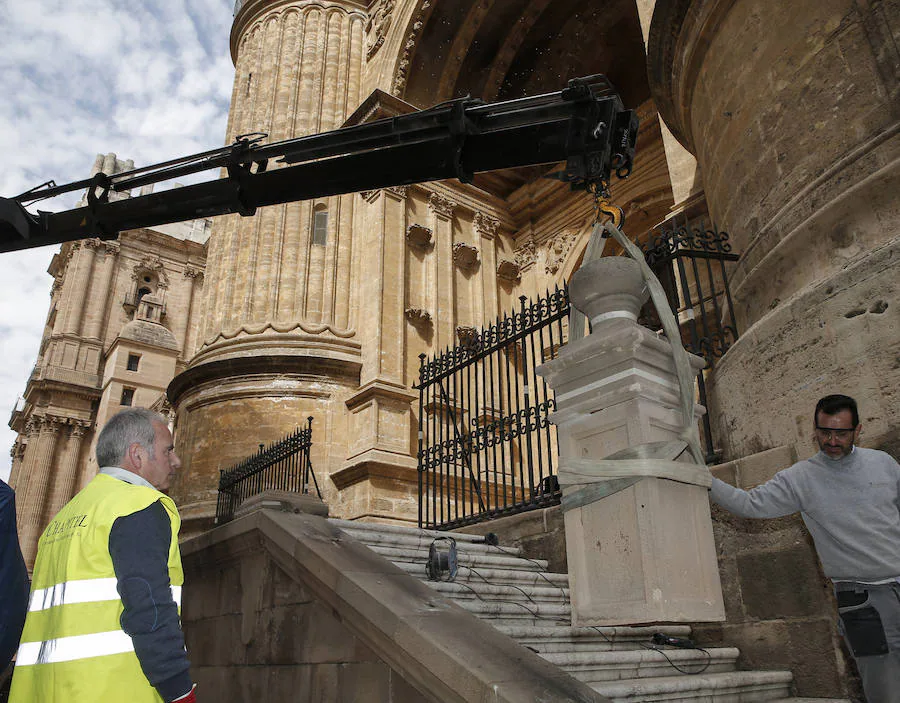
<point>690,260</point>
<point>284,465</point>
<point>486,447</point>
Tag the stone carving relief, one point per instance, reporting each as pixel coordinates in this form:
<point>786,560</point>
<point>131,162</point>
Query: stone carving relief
<point>402,72</point>
<point>441,205</point>
<point>151,264</point>
<point>486,225</point>
<point>557,251</point>
<point>526,254</point>
<point>193,272</point>
<point>418,236</point>
<point>509,271</point>
<point>465,256</point>
<point>380,18</point>
<point>467,336</point>
<point>418,317</point>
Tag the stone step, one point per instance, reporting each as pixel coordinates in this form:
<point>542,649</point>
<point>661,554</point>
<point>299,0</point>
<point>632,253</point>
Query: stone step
<point>518,612</point>
<point>812,700</point>
<point>475,561</point>
<point>594,667</point>
<point>726,687</point>
<point>555,639</point>
<point>419,539</point>
<point>382,528</point>
<point>509,577</point>
<point>480,590</point>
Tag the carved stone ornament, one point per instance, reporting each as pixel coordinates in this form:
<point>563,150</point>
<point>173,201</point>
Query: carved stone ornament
<point>192,272</point>
<point>467,336</point>
<point>526,254</point>
<point>486,225</point>
<point>111,248</point>
<point>509,271</point>
<point>151,264</point>
<point>441,205</point>
<point>409,45</point>
<point>418,236</point>
<point>418,317</point>
<point>558,250</point>
<point>465,256</point>
<point>380,18</point>
<point>399,191</point>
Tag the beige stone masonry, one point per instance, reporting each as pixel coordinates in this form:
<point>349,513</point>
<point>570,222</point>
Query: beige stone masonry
<point>435,647</point>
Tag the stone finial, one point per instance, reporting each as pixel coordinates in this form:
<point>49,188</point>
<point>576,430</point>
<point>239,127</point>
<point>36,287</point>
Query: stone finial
<point>608,288</point>
<point>465,256</point>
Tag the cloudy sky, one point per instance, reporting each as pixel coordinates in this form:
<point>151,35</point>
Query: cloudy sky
<point>146,79</point>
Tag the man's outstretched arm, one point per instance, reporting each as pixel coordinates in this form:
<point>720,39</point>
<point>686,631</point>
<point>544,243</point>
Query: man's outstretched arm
<point>775,498</point>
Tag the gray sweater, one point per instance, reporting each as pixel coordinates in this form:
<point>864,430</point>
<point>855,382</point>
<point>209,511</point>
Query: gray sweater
<point>851,507</point>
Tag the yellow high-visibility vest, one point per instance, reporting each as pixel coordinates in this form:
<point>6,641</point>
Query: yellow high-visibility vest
<point>73,647</point>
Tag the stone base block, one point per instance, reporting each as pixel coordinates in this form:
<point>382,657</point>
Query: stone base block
<point>643,555</point>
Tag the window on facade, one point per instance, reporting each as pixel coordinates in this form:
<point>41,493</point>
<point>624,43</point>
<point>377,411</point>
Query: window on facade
<point>127,396</point>
<point>133,361</point>
<point>320,228</point>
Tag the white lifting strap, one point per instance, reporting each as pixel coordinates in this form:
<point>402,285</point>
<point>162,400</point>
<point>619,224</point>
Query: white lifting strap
<point>594,479</point>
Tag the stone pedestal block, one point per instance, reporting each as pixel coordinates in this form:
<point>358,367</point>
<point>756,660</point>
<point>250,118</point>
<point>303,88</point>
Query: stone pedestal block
<point>643,552</point>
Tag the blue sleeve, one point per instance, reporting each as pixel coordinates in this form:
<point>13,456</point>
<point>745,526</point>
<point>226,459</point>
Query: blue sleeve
<point>13,578</point>
<point>139,547</point>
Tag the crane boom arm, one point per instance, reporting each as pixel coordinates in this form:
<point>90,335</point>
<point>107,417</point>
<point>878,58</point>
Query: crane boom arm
<point>584,125</point>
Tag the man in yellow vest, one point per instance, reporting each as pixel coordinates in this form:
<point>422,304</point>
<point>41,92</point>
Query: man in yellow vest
<point>103,619</point>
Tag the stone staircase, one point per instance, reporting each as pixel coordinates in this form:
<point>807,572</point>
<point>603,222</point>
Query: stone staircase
<point>523,600</point>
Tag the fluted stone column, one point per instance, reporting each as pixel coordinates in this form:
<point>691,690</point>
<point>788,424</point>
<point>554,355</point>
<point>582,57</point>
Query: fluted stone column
<point>36,468</point>
<point>793,112</point>
<point>78,277</point>
<point>281,340</point>
<point>66,478</point>
<point>486,227</point>
<point>100,288</point>
<point>442,280</point>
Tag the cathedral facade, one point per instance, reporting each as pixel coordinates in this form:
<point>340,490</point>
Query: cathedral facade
<point>778,121</point>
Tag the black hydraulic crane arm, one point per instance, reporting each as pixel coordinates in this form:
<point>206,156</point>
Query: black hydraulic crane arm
<point>584,125</point>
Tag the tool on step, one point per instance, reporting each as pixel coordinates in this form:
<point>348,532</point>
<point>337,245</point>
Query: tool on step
<point>443,561</point>
<point>662,639</point>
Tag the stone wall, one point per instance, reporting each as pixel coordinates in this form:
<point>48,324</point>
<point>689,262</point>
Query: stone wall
<point>254,633</point>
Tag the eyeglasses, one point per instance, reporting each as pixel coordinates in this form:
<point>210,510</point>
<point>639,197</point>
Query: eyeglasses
<point>829,433</point>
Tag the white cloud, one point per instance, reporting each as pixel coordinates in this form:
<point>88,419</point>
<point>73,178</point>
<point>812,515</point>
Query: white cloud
<point>148,80</point>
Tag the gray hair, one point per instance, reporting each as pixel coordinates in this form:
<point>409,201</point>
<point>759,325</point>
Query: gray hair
<point>125,428</point>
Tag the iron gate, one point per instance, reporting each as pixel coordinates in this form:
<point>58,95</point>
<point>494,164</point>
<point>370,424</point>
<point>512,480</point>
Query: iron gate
<point>486,447</point>
<point>284,465</point>
<point>690,261</point>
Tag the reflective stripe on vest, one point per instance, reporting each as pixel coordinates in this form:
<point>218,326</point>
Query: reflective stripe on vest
<point>65,649</point>
<point>83,591</point>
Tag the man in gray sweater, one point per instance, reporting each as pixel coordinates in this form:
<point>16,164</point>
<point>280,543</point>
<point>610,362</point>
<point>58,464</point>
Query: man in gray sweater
<point>849,499</point>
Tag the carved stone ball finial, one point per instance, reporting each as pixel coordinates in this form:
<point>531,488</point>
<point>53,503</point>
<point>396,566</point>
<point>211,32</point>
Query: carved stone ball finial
<point>608,288</point>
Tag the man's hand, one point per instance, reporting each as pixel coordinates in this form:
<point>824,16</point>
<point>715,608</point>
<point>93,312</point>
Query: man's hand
<point>188,697</point>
